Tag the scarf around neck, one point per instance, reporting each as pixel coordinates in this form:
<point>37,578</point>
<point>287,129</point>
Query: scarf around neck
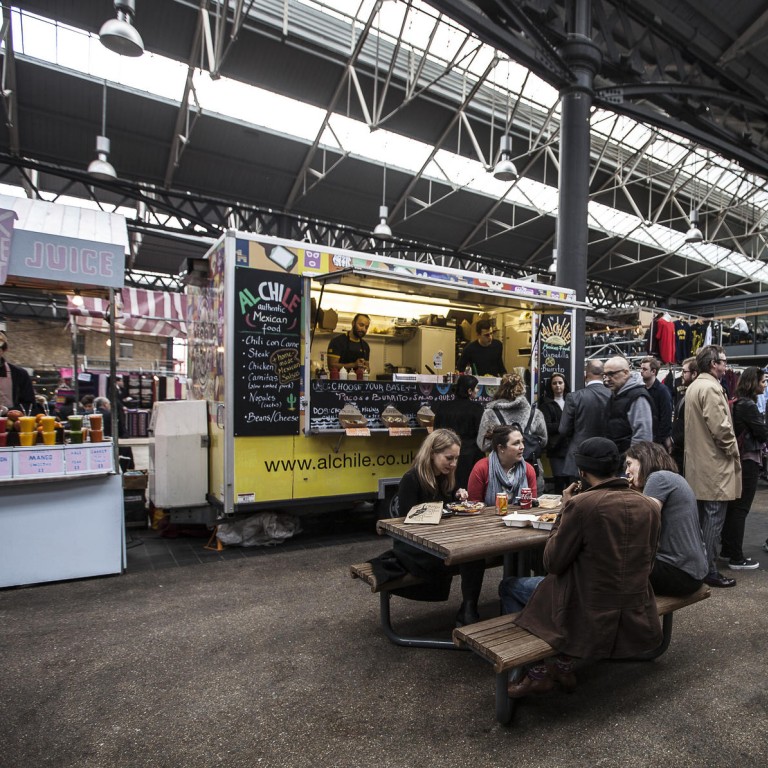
<point>501,481</point>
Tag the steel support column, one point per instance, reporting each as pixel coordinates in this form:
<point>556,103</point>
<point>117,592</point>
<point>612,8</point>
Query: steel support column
<point>583,58</point>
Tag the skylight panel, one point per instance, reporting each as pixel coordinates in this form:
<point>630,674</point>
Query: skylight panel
<point>80,51</point>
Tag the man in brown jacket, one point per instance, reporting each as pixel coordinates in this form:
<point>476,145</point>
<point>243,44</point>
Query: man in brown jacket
<point>596,601</point>
<point>712,464</point>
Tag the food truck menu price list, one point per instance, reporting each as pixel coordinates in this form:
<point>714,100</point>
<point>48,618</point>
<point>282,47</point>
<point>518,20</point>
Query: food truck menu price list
<point>267,363</point>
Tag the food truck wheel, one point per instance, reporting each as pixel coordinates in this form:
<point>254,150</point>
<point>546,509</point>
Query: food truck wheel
<point>389,506</point>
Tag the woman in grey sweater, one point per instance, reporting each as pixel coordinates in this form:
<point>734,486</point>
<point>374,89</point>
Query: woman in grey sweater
<point>681,562</point>
<point>509,406</point>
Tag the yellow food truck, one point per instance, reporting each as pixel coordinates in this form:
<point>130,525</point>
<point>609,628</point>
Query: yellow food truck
<point>261,313</point>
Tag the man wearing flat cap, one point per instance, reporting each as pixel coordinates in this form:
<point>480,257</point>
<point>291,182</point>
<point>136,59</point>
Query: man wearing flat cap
<point>596,601</point>
<point>16,390</point>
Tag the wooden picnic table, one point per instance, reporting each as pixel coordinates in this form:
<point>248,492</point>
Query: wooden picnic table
<point>461,539</point>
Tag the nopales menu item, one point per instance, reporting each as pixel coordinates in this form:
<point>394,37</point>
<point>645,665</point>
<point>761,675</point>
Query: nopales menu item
<point>267,359</point>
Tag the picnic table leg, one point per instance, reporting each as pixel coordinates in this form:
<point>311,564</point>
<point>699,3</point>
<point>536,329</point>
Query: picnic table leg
<point>409,642</point>
<point>666,637</point>
<point>505,707</point>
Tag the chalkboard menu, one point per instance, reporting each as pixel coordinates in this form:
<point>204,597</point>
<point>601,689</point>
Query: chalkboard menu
<point>267,322</point>
<point>329,396</point>
<point>555,347</point>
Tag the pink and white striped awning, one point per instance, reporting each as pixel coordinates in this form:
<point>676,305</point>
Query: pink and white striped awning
<point>137,311</point>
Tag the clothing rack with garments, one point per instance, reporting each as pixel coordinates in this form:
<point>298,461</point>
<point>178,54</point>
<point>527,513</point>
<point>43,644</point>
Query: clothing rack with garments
<point>673,338</point>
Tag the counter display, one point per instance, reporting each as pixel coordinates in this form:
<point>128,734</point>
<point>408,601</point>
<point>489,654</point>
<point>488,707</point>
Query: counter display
<point>64,528</point>
<point>43,462</point>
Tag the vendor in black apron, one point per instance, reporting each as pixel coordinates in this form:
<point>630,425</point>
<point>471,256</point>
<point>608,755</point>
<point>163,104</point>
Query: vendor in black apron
<point>350,349</point>
<point>16,390</point>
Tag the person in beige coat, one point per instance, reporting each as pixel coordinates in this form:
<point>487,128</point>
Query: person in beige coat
<point>711,461</point>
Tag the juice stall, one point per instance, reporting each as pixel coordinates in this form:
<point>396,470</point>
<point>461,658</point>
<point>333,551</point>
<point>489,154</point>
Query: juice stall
<point>61,500</point>
<point>261,312</point>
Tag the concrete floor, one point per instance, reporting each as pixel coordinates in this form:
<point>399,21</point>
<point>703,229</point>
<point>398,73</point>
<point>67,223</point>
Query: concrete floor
<point>278,660</point>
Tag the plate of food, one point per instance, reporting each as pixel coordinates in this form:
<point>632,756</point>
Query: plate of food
<point>516,520</point>
<point>465,507</point>
<point>546,521</point>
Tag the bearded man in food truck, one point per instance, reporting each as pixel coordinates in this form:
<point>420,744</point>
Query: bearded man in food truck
<point>485,355</point>
<point>16,390</point>
<point>351,349</point>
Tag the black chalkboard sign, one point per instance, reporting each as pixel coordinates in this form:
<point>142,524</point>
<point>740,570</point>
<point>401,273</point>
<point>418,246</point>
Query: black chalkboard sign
<point>329,396</point>
<point>267,322</point>
<point>555,347</point>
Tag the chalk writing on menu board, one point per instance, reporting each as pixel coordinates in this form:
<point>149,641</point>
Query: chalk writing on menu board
<point>555,346</point>
<point>267,363</point>
<point>329,396</point>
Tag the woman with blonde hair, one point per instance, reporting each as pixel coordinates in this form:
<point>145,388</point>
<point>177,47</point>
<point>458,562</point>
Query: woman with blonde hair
<point>433,478</point>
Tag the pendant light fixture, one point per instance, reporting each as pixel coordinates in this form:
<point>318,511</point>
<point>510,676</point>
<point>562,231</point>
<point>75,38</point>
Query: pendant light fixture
<point>101,168</point>
<point>382,229</point>
<point>694,235</point>
<point>505,169</point>
<point>119,35</point>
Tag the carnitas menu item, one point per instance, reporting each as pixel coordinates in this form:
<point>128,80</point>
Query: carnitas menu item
<point>393,418</point>
<point>267,325</point>
<point>350,417</point>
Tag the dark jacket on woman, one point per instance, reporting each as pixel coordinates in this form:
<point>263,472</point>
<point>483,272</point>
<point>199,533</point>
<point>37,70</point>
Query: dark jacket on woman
<point>463,416</point>
<point>416,561</point>
<point>748,425</point>
<point>552,412</point>
<point>596,601</point>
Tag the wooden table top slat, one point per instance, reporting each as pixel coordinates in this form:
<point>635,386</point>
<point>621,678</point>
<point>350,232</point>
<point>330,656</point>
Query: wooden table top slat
<point>462,539</point>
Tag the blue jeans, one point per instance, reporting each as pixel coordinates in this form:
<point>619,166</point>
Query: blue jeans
<point>516,591</point>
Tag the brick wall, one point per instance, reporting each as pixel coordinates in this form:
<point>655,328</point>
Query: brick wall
<point>47,345</point>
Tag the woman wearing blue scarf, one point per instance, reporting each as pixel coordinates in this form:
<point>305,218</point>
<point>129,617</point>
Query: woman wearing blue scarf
<point>505,470</point>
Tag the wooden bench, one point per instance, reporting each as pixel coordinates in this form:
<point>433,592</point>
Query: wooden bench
<point>364,572</point>
<point>510,648</point>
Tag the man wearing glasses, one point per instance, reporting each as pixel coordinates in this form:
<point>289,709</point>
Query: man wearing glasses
<point>485,355</point>
<point>712,465</point>
<point>630,409</point>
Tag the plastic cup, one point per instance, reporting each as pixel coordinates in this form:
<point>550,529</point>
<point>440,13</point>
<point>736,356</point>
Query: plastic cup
<point>49,438</point>
<point>27,423</point>
<point>49,423</point>
<point>97,435</point>
<point>75,436</point>
<point>75,422</point>
<point>27,439</point>
<point>95,421</point>
<point>3,424</point>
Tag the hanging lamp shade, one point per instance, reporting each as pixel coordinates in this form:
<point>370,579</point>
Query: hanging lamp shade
<point>694,235</point>
<point>101,168</point>
<point>382,229</point>
<point>119,34</point>
<point>505,169</point>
